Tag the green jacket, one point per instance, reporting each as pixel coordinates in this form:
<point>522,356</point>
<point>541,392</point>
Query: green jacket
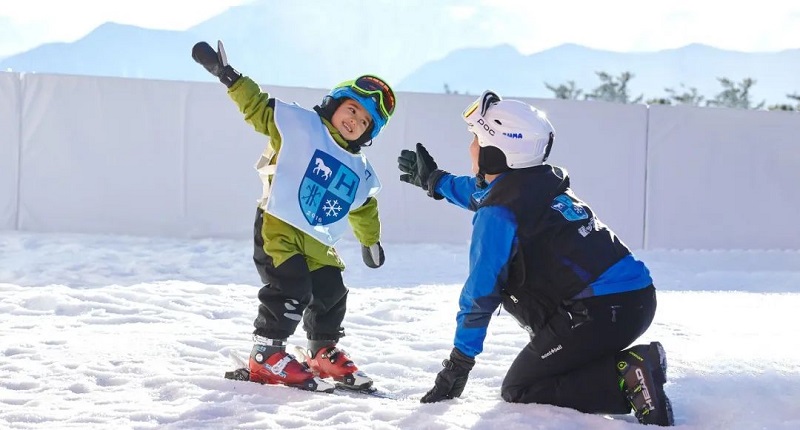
<point>281,240</point>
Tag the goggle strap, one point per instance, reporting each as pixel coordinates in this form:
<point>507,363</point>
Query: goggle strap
<point>489,98</point>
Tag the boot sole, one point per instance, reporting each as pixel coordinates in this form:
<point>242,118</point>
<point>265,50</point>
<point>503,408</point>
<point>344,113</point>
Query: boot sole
<point>660,374</point>
<point>660,378</point>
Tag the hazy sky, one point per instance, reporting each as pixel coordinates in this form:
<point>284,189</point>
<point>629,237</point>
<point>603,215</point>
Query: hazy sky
<point>618,25</point>
<point>29,23</point>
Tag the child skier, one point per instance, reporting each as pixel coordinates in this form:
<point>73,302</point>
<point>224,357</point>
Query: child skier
<point>315,179</point>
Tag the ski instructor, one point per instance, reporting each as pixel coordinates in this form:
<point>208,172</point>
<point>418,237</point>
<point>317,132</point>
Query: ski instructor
<point>565,276</point>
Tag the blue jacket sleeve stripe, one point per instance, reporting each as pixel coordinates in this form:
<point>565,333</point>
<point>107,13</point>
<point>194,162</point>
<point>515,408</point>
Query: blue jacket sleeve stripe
<point>493,241</point>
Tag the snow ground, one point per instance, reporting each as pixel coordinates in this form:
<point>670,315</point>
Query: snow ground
<point>101,332</point>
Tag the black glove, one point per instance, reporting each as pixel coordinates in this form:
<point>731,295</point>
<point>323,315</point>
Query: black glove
<point>216,62</point>
<point>373,255</point>
<point>451,380</point>
<point>420,169</point>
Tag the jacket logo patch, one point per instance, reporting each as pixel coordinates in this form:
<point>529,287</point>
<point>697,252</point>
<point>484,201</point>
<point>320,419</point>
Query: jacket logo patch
<point>327,190</point>
<point>571,210</point>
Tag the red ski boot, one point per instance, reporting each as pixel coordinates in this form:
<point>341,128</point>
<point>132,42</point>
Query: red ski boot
<point>332,362</point>
<point>283,368</point>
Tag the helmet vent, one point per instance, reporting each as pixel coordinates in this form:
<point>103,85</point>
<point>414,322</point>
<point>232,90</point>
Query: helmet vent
<point>498,122</point>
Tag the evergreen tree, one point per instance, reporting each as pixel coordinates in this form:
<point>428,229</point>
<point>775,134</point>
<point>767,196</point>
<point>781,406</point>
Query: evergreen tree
<point>658,101</point>
<point>565,92</point>
<point>782,106</point>
<point>787,106</point>
<point>613,89</point>
<point>735,95</point>
<point>687,97</point>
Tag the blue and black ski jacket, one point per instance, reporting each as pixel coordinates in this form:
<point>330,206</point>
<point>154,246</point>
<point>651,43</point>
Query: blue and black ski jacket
<point>534,246</point>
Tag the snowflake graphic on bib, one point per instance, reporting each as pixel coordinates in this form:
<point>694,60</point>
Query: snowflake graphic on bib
<point>327,190</point>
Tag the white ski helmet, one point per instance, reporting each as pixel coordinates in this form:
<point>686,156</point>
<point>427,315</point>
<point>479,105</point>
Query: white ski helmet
<point>520,131</point>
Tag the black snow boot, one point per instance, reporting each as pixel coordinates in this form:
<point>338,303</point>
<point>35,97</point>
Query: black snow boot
<point>643,373</point>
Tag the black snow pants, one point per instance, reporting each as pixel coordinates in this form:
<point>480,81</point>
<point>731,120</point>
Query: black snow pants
<point>571,361</point>
<point>292,293</point>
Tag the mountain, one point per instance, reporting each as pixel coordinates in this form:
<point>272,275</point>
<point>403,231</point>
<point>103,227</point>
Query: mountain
<point>508,72</point>
<point>319,43</point>
<point>416,44</point>
<point>113,50</point>
<point>310,43</point>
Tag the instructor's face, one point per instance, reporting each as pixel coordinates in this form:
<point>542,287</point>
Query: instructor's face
<point>473,154</point>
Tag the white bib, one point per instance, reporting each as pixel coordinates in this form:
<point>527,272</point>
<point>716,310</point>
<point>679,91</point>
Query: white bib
<point>316,181</point>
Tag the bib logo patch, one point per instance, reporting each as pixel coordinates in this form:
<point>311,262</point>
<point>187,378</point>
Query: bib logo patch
<point>327,190</point>
<point>571,210</point>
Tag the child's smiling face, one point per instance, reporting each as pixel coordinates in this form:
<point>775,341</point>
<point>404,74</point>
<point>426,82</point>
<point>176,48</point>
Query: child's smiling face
<point>351,119</point>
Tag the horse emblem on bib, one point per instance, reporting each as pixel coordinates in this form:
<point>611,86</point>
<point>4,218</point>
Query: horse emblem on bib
<point>327,190</point>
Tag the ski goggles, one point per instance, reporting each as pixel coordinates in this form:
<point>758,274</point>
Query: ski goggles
<point>376,89</point>
<point>486,99</point>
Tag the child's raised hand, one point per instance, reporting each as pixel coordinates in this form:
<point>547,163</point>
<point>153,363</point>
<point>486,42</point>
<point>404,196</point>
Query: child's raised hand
<point>216,62</point>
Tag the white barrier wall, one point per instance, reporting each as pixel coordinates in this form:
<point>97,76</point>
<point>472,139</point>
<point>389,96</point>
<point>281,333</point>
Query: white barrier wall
<point>723,178</point>
<point>603,146</point>
<point>220,151</point>
<point>9,148</point>
<point>102,155</point>
<point>163,158</point>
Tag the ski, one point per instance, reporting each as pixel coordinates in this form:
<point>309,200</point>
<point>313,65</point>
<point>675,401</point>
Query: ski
<point>243,374</point>
<point>238,362</point>
<point>342,389</point>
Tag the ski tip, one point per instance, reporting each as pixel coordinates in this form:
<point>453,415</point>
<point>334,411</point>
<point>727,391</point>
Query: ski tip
<point>237,360</point>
